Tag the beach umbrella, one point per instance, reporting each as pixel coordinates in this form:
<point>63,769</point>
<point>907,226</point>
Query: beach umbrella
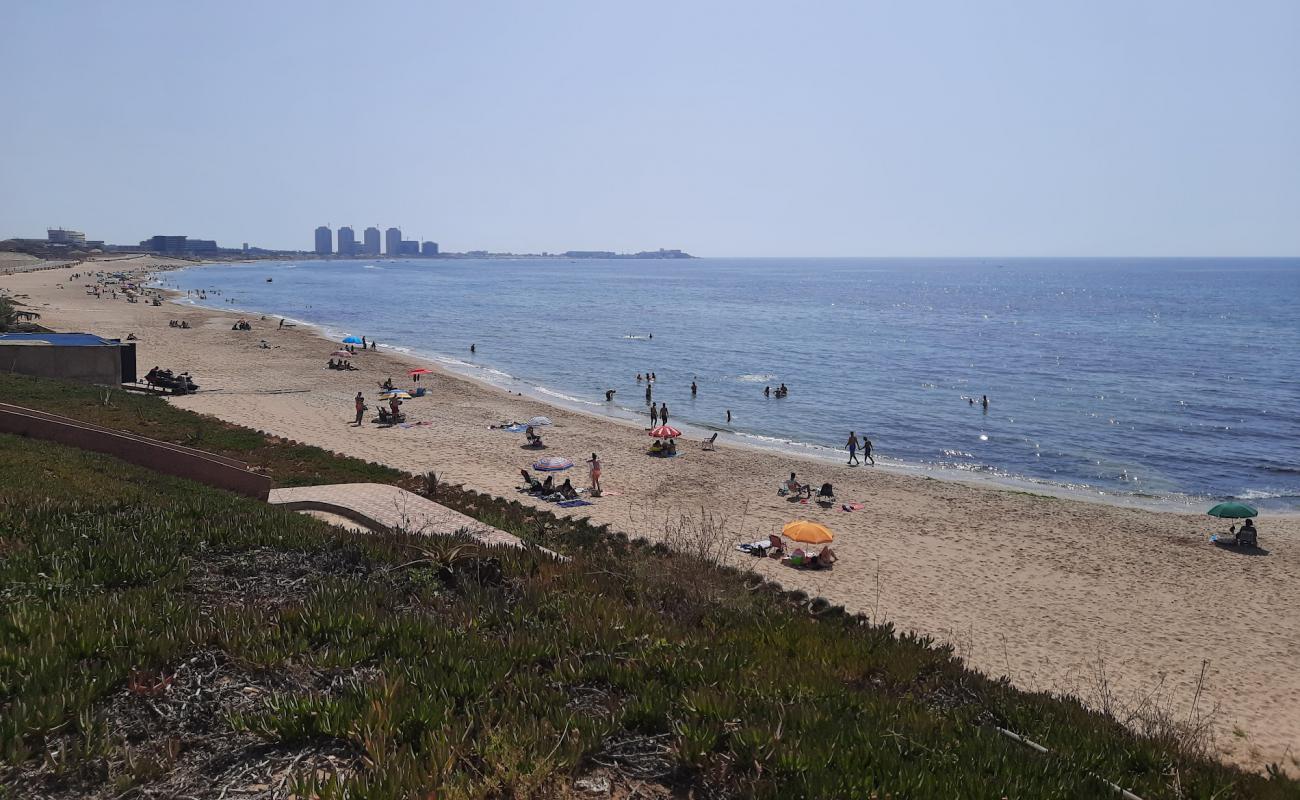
<point>665,432</point>
<point>399,394</point>
<point>351,340</point>
<point>341,354</point>
<point>420,371</point>
<point>807,532</point>
<point>539,421</point>
<point>1233,511</point>
<point>552,464</point>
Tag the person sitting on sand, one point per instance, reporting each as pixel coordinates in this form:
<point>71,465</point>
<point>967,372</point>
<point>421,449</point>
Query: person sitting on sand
<point>1247,535</point>
<point>348,365</point>
<point>796,488</point>
<point>657,447</point>
<point>332,365</point>
<point>387,385</point>
<point>822,560</point>
<point>567,491</point>
<point>548,485</point>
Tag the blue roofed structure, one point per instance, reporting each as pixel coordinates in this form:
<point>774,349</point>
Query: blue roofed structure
<point>70,356</point>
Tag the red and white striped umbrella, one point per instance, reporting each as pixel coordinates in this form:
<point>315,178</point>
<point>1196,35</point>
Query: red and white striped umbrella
<point>665,432</point>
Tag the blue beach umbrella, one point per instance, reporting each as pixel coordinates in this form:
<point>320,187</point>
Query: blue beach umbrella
<point>351,340</point>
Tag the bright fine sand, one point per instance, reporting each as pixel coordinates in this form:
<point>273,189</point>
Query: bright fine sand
<point>1047,591</point>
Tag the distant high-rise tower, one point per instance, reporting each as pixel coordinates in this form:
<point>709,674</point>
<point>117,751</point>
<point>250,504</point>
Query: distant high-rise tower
<point>371,247</point>
<point>393,241</point>
<point>347,241</point>
<point>324,241</point>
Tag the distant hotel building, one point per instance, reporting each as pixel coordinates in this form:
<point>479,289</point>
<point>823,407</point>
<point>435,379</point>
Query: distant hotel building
<point>61,236</point>
<point>324,241</point>
<point>393,242</point>
<point>371,246</point>
<point>429,249</point>
<point>347,241</point>
<point>179,245</point>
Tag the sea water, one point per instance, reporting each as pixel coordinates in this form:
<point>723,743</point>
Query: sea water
<point>1173,379</point>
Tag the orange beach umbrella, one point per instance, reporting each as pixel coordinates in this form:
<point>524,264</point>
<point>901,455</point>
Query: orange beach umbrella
<point>807,532</point>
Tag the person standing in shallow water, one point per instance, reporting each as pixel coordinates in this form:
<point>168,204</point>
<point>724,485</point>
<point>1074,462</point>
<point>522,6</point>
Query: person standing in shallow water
<point>852,445</point>
<point>866,449</point>
<point>985,402</point>
<point>694,389</point>
<point>654,414</point>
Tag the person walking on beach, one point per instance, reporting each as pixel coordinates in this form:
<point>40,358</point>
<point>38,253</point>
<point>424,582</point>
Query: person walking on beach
<point>363,343</point>
<point>663,414</point>
<point>654,414</point>
<point>361,409</point>
<point>853,449</point>
<point>866,449</point>
<point>594,467</point>
<point>281,324</point>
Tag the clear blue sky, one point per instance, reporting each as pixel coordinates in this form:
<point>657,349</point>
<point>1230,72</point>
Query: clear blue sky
<point>745,128</point>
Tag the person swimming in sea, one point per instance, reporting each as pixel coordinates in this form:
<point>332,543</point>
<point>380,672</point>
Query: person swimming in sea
<point>694,389</point>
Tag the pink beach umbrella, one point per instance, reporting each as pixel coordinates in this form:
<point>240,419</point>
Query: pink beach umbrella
<point>665,432</point>
<point>342,354</point>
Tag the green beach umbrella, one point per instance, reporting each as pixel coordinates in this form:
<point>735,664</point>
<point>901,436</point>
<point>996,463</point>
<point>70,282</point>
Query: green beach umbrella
<point>1233,511</point>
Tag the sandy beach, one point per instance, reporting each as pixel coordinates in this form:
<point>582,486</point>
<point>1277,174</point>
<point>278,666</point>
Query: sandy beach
<point>1056,594</point>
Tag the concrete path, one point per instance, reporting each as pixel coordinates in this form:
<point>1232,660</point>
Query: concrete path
<point>378,505</point>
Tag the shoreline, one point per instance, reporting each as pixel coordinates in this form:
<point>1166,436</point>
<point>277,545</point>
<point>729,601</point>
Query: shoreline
<point>1038,588</point>
<point>814,454</point>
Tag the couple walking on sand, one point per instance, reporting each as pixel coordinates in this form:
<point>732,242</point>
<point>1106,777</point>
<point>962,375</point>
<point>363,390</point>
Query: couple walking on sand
<point>853,446</point>
<point>658,414</point>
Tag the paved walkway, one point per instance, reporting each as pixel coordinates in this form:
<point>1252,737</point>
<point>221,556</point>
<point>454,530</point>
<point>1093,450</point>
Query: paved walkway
<point>378,505</point>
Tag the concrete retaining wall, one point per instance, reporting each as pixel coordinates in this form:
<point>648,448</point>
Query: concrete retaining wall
<point>169,459</point>
<point>99,364</point>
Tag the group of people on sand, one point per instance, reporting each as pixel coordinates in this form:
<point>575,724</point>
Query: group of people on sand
<point>548,490</point>
<point>342,363</point>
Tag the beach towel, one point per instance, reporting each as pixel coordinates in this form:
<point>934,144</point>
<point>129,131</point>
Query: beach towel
<point>516,428</point>
<point>573,503</point>
<point>853,506</point>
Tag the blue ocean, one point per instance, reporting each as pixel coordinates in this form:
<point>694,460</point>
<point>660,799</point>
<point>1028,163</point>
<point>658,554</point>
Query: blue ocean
<point>1157,380</point>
